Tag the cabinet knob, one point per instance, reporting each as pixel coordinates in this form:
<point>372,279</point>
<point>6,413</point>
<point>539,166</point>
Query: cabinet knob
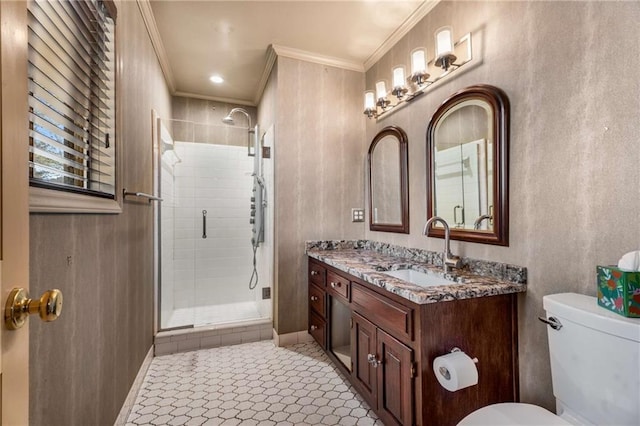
<point>371,359</point>
<point>334,285</point>
<point>314,272</point>
<point>313,327</point>
<point>314,298</point>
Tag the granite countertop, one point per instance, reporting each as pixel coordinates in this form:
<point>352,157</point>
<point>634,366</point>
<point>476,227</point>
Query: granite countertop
<point>368,260</point>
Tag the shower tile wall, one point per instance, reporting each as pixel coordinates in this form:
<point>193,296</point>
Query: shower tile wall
<point>216,269</point>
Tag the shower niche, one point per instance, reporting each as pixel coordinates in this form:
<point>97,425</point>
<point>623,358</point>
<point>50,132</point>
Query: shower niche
<point>212,268</point>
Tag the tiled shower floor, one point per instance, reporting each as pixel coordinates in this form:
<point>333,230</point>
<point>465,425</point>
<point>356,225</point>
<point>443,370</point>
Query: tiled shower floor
<point>249,384</point>
<point>215,314</point>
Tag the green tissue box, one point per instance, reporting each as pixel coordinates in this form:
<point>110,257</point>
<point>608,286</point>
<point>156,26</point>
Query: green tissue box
<point>619,290</point>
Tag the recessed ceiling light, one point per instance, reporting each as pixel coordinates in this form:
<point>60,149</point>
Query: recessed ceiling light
<point>216,79</point>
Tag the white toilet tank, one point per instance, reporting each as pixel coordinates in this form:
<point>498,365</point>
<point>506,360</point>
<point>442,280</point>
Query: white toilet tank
<point>595,361</point>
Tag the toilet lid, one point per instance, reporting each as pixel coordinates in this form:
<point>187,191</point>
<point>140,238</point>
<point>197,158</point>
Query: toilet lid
<point>512,414</point>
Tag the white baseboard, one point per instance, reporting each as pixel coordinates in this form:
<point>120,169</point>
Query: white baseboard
<point>133,392</point>
<point>291,338</point>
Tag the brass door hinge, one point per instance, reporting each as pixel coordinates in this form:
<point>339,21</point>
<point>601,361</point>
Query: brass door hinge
<point>414,370</point>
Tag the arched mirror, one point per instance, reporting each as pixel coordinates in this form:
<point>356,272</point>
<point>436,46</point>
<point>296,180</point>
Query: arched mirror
<point>467,157</point>
<point>388,177</point>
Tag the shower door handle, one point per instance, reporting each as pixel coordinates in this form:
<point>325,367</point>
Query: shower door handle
<point>460,223</point>
<point>204,224</point>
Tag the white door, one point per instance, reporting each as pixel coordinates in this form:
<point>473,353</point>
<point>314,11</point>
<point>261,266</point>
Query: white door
<point>14,207</point>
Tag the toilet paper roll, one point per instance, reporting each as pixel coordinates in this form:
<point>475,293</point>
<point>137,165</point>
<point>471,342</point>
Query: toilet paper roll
<point>455,371</point>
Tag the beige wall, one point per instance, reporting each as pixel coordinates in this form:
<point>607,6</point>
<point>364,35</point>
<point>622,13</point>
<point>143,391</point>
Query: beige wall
<point>83,365</point>
<point>571,76</point>
<point>205,121</point>
<point>318,173</point>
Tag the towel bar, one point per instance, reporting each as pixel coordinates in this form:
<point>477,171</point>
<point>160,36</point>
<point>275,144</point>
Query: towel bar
<point>141,194</point>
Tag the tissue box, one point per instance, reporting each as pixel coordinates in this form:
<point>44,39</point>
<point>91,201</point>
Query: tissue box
<point>619,290</point>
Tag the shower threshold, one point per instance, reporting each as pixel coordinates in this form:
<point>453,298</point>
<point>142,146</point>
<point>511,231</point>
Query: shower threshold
<point>212,336</point>
<point>214,314</point>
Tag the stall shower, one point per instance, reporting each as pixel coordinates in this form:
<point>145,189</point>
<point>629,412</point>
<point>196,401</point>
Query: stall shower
<point>215,246</point>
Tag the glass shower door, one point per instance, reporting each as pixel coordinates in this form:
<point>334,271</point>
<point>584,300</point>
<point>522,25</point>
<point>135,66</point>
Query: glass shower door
<point>177,242</point>
<point>223,256</point>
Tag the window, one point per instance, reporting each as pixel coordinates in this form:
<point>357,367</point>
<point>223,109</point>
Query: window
<point>71,74</point>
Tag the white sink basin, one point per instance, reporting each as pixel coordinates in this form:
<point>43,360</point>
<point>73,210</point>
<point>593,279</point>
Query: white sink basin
<point>418,278</point>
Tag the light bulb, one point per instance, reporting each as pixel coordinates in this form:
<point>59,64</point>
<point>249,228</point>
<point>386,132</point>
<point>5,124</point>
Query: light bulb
<point>381,89</point>
<point>369,100</point>
<point>398,76</point>
<point>418,61</point>
<point>444,41</point>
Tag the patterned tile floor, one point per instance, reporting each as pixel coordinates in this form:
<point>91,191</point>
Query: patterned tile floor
<point>250,384</point>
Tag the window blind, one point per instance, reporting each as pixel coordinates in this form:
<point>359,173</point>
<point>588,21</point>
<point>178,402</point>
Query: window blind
<point>71,77</point>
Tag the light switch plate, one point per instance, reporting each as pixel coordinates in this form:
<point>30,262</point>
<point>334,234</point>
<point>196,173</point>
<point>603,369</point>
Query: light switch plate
<point>357,215</point>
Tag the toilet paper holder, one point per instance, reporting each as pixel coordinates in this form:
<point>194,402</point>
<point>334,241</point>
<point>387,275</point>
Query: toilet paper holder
<point>444,372</point>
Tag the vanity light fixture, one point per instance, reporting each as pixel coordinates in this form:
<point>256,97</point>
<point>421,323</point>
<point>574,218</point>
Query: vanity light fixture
<point>444,48</point>
<point>370,104</point>
<point>399,82</point>
<point>381,95</point>
<point>406,88</point>
<point>419,66</point>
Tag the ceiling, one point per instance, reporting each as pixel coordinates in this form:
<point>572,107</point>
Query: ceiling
<point>197,39</point>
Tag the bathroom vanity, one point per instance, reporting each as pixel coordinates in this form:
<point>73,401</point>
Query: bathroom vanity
<point>383,332</point>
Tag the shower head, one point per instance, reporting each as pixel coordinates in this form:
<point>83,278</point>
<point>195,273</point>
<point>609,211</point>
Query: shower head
<point>229,118</point>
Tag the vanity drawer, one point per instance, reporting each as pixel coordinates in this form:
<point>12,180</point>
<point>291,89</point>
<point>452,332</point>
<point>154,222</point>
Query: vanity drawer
<point>317,300</point>
<point>389,315</point>
<point>317,274</point>
<point>338,285</point>
<point>318,329</point>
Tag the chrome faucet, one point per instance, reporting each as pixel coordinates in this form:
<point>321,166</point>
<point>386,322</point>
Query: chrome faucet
<point>448,259</point>
<point>476,224</point>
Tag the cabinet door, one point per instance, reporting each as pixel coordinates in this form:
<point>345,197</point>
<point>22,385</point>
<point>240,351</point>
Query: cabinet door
<point>317,300</point>
<point>395,381</point>
<point>318,329</point>
<point>338,286</point>
<point>364,373</point>
<point>317,274</point>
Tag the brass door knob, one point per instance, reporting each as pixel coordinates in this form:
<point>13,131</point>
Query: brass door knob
<point>19,306</point>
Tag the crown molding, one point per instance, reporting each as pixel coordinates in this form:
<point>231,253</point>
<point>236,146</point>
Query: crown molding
<point>273,51</point>
<point>156,42</point>
<point>215,98</point>
<point>400,32</point>
<point>266,72</point>
<point>303,55</point>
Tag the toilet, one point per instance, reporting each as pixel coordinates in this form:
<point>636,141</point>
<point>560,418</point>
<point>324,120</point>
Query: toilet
<point>595,369</point>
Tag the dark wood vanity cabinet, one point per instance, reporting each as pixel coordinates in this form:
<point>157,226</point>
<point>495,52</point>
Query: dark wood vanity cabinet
<point>317,304</point>
<point>383,372</point>
<point>394,341</point>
